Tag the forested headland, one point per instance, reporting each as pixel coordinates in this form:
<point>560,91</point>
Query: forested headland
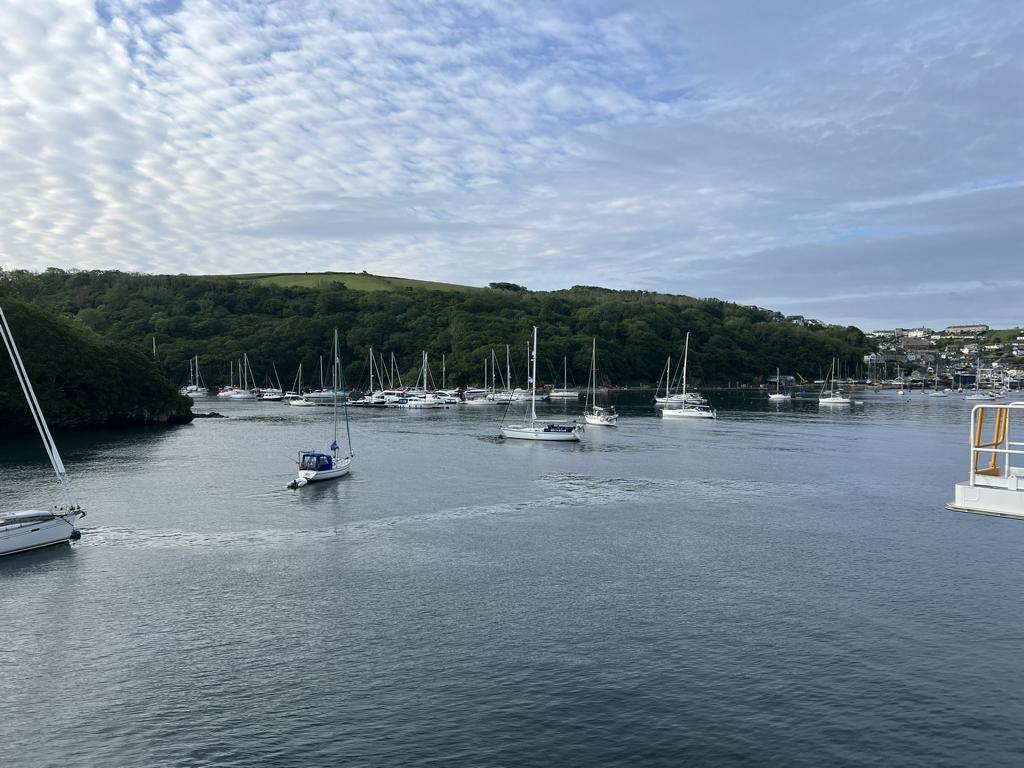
<point>220,318</point>
<point>80,378</point>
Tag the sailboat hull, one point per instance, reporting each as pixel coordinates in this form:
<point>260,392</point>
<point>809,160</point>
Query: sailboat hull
<point>688,413</point>
<point>547,433</point>
<point>339,470</point>
<point>33,533</point>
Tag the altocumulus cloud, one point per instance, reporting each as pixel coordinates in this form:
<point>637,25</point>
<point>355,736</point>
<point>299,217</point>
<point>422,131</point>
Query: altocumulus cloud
<point>857,161</point>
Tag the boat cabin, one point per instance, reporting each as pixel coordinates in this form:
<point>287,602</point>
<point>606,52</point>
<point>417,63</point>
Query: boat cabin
<point>25,518</point>
<point>995,484</point>
<point>316,462</point>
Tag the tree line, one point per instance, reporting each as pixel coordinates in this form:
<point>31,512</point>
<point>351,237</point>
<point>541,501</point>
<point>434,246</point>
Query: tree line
<point>220,318</point>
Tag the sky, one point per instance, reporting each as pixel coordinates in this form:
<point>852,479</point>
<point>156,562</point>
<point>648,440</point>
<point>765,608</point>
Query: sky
<point>857,162</point>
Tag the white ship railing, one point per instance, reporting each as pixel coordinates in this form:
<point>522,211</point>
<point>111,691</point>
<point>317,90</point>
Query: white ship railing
<point>991,459</point>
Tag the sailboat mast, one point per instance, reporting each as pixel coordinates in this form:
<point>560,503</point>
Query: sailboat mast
<point>686,357</point>
<point>335,391</point>
<point>442,370</point>
<point>35,409</point>
<point>508,370</point>
<point>371,370</point>
<point>533,380</point>
<point>592,382</point>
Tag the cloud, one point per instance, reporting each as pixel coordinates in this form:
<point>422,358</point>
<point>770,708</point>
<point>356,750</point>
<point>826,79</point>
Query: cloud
<point>759,153</point>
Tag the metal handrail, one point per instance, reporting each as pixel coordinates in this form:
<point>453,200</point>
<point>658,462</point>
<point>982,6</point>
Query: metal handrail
<point>1000,444</point>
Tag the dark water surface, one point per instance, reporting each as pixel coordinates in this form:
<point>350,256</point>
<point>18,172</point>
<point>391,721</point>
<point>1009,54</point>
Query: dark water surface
<point>782,586</point>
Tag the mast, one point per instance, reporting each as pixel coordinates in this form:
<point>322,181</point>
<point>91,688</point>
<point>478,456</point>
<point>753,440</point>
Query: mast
<point>154,347</point>
<point>686,355</point>
<point>334,445</point>
<point>533,380</point>
<point>508,370</point>
<point>321,373</point>
<point>565,372</point>
<point>442,370</point>
<point>35,409</point>
<point>592,382</point>
<point>371,370</point>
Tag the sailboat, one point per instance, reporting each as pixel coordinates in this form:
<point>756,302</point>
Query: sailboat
<point>243,392</point>
<point>936,392</point>
<point>195,387</point>
<point>778,394</point>
<point>829,394</point>
<point>688,409</point>
<point>315,466</point>
<point>33,528</point>
<point>594,413</point>
<point>564,393</point>
<point>978,393</point>
<point>563,431</point>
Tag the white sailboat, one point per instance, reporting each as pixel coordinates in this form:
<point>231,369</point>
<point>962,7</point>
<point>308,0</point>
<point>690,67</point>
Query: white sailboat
<point>829,394</point>
<point>979,394</point>
<point>315,466</point>
<point>561,431</point>
<point>778,394</point>
<point>564,393</point>
<point>33,528</point>
<point>593,413</point>
<point>243,392</point>
<point>195,386</point>
<point>687,409</point>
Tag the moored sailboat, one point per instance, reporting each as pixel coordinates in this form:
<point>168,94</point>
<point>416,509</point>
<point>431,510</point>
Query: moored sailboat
<point>830,394</point>
<point>687,409</point>
<point>593,413</point>
<point>560,431</point>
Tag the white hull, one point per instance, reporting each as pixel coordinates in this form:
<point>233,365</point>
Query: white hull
<point>1005,500</point>
<point>563,394</point>
<point>313,476</point>
<point>834,400</point>
<point>522,432</point>
<point>33,532</point>
<point>302,403</point>
<point>601,420</point>
<point>774,396</point>
<point>688,413</point>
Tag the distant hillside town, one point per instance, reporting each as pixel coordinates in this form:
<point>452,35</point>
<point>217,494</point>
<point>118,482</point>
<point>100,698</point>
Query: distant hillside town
<point>954,357</point>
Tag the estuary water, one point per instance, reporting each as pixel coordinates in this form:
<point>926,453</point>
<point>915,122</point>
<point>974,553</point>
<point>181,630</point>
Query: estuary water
<point>780,586</point>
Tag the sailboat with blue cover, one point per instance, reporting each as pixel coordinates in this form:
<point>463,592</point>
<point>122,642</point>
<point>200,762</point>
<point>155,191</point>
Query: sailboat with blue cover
<point>315,466</point>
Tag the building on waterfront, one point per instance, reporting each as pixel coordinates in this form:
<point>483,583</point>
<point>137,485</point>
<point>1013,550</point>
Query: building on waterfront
<point>965,330</point>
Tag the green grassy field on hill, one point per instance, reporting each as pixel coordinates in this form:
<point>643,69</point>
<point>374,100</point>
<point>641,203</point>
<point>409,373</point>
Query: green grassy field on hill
<point>352,280</point>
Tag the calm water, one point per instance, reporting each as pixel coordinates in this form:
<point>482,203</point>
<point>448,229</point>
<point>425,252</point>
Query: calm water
<point>781,586</point>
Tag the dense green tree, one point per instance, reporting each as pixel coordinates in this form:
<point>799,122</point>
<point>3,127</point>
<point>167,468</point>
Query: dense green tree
<point>220,318</point>
<point>80,378</point>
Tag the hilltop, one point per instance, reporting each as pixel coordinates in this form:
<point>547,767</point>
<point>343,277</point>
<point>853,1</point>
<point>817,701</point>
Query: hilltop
<point>356,281</point>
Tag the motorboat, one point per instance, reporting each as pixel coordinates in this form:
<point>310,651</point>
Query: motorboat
<point>23,530</point>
